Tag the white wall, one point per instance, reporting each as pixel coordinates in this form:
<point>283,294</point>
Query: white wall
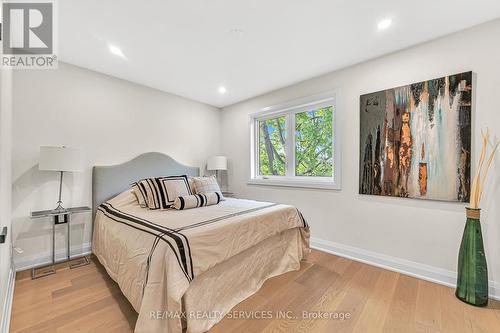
<point>6,276</point>
<point>423,232</point>
<point>5,193</point>
<point>112,121</point>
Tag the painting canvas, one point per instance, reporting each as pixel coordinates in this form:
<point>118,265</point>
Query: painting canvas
<point>416,140</point>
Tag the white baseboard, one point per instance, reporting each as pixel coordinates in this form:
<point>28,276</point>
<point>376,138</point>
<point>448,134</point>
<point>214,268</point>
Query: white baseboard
<point>22,263</point>
<point>7,302</point>
<point>411,268</point>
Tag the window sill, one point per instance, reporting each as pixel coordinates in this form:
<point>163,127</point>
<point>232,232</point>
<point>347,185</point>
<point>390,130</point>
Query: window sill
<point>323,185</point>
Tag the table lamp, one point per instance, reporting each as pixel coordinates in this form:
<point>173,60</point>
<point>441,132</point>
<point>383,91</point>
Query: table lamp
<point>217,163</point>
<point>61,159</point>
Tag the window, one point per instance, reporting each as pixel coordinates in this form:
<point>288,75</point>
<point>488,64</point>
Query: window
<point>295,144</point>
<point>272,139</point>
<point>314,142</point>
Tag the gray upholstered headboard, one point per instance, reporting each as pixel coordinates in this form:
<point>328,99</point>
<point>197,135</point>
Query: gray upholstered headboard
<point>108,181</point>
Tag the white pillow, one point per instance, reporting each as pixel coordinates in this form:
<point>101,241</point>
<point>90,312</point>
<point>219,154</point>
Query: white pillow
<point>206,185</point>
<point>191,184</point>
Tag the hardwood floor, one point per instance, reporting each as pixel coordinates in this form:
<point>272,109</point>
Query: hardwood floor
<point>87,300</point>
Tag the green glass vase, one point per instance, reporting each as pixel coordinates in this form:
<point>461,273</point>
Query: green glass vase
<point>472,279</point>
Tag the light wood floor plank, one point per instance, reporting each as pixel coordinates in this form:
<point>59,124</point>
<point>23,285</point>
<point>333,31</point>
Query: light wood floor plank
<point>85,299</point>
<point>401,316</point>
<point>374,314</point>
<point>428,307</point>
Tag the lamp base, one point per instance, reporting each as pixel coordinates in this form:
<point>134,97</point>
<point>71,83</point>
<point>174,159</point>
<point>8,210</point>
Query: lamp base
<point>60,209</point>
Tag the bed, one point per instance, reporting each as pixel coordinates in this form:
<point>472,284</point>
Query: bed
<point>184,270</point>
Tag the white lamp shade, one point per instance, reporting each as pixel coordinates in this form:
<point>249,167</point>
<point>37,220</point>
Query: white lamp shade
<point>60,159</point>
<point>217,163</point>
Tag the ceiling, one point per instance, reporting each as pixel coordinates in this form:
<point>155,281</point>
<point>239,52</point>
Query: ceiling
<point>193,47</point>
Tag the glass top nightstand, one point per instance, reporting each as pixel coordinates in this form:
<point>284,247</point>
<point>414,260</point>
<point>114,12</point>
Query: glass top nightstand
<point>59,217</point>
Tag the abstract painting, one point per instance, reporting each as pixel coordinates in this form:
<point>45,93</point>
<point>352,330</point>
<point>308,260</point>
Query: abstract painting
<point>415,140</point>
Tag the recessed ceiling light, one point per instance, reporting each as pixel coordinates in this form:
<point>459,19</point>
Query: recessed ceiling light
<point>384,24</point>
<point>222,90</point>
<point>116,51</point>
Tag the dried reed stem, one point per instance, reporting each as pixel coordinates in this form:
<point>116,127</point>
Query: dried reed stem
<point>488,165</point>
<point>480,178</point>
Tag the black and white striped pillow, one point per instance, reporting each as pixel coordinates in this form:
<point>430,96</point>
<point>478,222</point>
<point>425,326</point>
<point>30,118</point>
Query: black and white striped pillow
<point>197,200</point>
<point>160,192</point>
<point>139,194</point>
<point>150,191</point>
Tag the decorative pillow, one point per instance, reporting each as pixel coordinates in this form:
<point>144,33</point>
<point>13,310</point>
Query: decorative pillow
<point>173,187</point>
<point>206,184</point>
<point>139,194</point>
<point>150,190</point>
<point>197,200</point>
<point>160,192</point>
<point>191,184</point>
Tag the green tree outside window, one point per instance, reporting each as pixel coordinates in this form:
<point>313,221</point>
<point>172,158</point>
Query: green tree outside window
<point>313,144</point>
<point>272,136</point>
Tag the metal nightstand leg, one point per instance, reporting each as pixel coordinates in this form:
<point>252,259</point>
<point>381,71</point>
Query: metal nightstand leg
<point>82,261</point>
<point>52,267</point>
<point>68,237</point>
<point>36,275</point>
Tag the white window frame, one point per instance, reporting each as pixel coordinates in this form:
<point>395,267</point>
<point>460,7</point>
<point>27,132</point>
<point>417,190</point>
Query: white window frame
<point>289,109</point>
